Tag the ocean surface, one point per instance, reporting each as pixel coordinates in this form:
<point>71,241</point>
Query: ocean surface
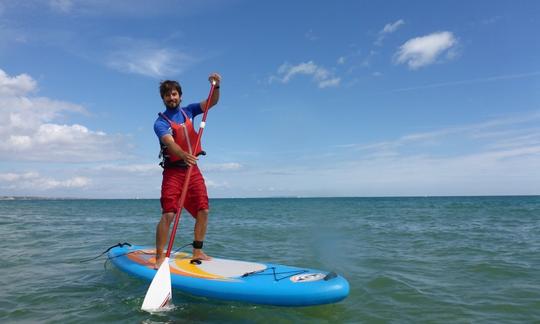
<point>408,260</point>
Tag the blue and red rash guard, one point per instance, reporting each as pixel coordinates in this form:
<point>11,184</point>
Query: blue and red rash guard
<point>177,122</point>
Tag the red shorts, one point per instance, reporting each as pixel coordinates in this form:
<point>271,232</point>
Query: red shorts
<point>171,189</point>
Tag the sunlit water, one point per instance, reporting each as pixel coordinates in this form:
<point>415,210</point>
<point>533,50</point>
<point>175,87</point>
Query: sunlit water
<point>447,260</point>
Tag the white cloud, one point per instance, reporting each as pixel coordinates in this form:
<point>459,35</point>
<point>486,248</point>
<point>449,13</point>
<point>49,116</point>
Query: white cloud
<point>471,81</point>
<point>231,166</point>
<point>147,58</point>
<point>478,173</point>
<point>37,182</point>
<point>64,6</point>
<point>497,156</point>
<point>490,172</point>
<point>14,86</point>
<point>216,185</point>
<point>131,8</point>
<point>129,169</point>
<point>334,82</point>
<point>28,130</point>
<point>501,133</point>
<point>323,77</point>
<point>425,50</point>
<point>388,29</point>
<point>392,27</point>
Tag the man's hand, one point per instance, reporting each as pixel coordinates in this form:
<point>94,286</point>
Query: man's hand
<point>190,159</point>
<point>175,149</point>
<point>215,77</point>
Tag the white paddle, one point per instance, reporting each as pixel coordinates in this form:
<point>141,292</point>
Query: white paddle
<point>160,291</point>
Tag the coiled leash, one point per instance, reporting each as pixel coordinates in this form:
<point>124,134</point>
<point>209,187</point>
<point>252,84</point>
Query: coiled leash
<point>195,244</point>
<point>119,245</point>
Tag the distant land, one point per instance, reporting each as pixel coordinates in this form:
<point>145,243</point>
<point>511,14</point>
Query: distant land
<point>7,198</point>
<point>36,198</point>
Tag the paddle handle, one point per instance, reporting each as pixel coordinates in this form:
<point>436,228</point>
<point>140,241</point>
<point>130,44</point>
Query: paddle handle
<point>189,171</point>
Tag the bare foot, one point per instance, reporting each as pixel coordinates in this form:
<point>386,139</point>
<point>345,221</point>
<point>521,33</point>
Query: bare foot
<point>200,255</point>
<point>159,260</point>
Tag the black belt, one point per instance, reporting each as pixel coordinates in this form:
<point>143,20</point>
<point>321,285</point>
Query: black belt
<point>173,165</point>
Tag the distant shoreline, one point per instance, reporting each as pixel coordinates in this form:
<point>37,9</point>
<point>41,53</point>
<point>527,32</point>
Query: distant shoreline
<point>28,198</point>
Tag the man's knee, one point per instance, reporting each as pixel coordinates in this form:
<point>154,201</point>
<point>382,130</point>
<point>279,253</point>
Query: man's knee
<point>167,218</point>
<point>202,214</point>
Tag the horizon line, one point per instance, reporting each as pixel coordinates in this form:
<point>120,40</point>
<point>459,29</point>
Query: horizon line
<point>11,198</point>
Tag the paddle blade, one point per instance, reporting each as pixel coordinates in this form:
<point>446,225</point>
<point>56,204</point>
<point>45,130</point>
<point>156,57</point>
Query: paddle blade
<point>160,291</point>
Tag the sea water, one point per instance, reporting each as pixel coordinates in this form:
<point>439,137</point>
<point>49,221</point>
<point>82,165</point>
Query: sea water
<point>411,260</point>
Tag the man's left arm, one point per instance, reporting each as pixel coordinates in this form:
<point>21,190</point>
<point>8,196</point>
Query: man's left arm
<point>215,96</point>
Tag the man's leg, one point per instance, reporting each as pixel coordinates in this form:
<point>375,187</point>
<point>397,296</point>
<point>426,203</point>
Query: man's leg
<point>199,233</point>
<point>162,233</point>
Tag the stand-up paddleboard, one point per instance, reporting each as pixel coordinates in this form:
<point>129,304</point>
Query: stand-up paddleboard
<point>252,282</point>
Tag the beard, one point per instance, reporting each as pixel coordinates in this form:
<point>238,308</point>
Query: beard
<point>172,104</point>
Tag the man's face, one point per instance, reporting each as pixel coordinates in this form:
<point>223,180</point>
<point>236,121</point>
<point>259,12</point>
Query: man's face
<point>171,99</point>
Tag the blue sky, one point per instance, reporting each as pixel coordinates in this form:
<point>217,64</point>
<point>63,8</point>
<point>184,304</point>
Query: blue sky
<point>319,98</point>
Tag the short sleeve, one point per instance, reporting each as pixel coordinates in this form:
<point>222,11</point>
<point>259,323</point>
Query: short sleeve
<point>193,110</point>
<point>161,127</point>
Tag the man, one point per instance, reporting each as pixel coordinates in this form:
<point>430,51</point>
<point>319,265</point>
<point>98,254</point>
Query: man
<point>177,138</point>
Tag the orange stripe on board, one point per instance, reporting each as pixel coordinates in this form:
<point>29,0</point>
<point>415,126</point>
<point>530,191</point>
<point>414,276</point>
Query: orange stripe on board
<point>181,264</point>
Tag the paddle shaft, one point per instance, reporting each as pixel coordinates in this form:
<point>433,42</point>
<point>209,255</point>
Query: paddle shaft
<point>189,171</point>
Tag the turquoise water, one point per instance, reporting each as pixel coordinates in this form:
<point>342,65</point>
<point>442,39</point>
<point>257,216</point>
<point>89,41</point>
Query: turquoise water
<point>435,260</point>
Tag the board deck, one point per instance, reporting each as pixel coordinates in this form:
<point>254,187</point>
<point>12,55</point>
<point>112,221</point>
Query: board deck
<point>252,282</point>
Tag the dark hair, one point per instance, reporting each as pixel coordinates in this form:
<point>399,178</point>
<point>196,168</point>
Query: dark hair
<point>168,86</point>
